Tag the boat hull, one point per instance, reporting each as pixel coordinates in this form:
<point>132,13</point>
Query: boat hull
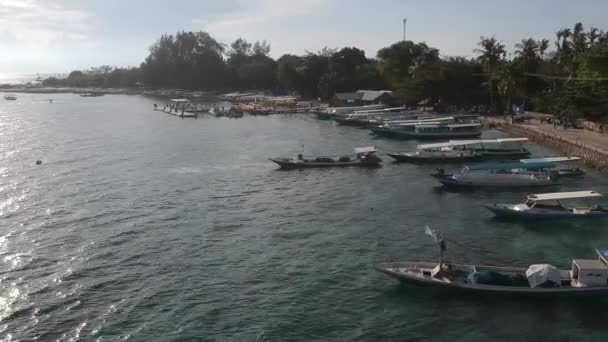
<point>495,180</point>
<point>411,134</point>
<point>436,158</point>
<point>292,165</point>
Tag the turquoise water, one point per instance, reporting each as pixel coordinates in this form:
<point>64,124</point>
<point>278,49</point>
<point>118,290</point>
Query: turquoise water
<point>142,226</point>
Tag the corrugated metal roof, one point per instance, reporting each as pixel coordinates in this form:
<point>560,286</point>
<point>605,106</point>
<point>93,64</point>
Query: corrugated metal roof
<point>372,95</point>
<point>349,96</point>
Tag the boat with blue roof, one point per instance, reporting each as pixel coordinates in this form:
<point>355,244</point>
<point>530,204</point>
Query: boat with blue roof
<point>500,175</point>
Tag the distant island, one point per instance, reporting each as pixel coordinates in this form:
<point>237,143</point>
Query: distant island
<point>570,79</point>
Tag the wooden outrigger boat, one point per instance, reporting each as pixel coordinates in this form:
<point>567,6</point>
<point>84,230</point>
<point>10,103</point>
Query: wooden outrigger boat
<point>586,276</point>
<point>441,152</point>
<point>463,150</point>
<point>500,175</point>
<point>364,156</point>
<point>505,148</point>
<point>331,112</point>
<point>536,207</point>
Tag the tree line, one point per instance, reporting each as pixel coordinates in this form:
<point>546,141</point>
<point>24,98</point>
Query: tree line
<point>569,78</point>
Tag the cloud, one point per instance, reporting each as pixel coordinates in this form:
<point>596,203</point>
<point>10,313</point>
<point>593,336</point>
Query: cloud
<point>261,19</point>
<point>40,24</point>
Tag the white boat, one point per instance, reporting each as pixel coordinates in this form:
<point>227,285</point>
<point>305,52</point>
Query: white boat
<point>505,148</point>
<point>548,206</point>
<point>500,175</point>
<point>558,170</point>
<point>586,276</point>
<point>440,152</point>
<point>431,131</point>
<point>10,98</point>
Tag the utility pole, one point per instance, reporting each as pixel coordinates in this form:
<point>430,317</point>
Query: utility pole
<point>404,22</point>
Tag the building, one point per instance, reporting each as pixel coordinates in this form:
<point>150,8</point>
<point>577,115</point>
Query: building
<point>363,97</point>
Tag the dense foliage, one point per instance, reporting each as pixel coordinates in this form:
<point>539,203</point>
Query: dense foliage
<point>569,80</point>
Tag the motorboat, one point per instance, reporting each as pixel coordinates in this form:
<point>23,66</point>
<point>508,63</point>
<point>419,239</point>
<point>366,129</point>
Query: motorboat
<point>440,152</point>
<point>558,170</point>
<point>548,206</point>
<point>500,175</point>
<point>363,156</point>
<point>430,129</point>
<point>10,98</point>
<point>586,276</point>
<point>331,112</point>
<point>398,128</point>
<point>505,148</point>
<point>91,95</point>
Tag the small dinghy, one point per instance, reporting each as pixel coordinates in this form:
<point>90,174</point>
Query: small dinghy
<point>586,276</point>
<point>10,98</point>
<point>548,206</point>
<point>364,156</point>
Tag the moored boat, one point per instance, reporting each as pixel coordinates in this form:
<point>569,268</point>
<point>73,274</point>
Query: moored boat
<point>586,276</point>
<point>505,148</point>
<point>363,156</point>
<point>10,98</point>
<point>500,175</point>
<point>548,206</point>
<point>441,152</point>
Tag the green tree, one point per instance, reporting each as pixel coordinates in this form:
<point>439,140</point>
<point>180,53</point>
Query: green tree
<point>490,51</point>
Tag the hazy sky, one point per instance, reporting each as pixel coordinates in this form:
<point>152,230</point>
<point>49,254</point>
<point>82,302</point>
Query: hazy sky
<point>62,35</point>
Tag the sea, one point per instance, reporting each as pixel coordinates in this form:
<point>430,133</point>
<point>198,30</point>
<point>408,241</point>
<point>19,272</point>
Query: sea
<point>142,226</point>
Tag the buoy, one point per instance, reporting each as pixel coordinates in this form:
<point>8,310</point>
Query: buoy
<point>38,162</point>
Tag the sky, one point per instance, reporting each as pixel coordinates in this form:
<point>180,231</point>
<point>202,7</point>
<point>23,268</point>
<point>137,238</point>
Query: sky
<point>57,36</point>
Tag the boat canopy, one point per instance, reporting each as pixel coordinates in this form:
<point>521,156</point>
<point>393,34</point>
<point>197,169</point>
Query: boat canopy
<point>180,100</point>
<point>419,121</point>
<point>603,254</point>
<point>563,195</point>
<point>550,160</point>
<point>439,145</point>
<point>360,150</point>
<point>489,141</point>
<point>465,125</point>
<point>511,166</point>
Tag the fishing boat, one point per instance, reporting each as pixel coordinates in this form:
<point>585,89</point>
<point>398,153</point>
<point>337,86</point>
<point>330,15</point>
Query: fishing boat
<point>363,156</point>
<point>500,175</point>
<point>91,95</point>
<point>430,130</point>
<point>395,128</point>
<point>506,148</point>
<point>558,170</point>
<point>440,152</point>
<point>10,98</point>
<point>331,112</point>
<point>548,206</point>
<point>586,276</point>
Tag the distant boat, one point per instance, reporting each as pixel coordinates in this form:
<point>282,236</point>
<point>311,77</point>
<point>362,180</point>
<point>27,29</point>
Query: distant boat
<point>91,95</point>
<point>439,131</point>
<point>363,156</point>
<point>587,276</point>
<point>10,98</point>
<point>500,175</point>
<point>536,207</point>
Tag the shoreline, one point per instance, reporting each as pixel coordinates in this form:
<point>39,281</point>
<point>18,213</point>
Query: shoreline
<point>164,93</point>
<point>590,146</point>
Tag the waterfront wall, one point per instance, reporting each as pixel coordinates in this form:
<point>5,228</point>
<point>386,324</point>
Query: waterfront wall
<point>592,157</point>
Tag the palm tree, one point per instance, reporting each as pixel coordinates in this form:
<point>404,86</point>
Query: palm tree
<point>491,52</point>
<point>579,38</point>
<point>527,52</point>
<point>506,83</point>
<point>543,45</point>
<point>593,35</point>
